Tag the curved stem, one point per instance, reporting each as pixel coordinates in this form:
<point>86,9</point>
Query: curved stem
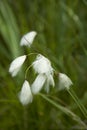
<point>27,70</point>
<point>35,53</point>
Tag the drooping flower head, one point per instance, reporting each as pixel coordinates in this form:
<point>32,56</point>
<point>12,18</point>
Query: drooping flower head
<point>25,95</point>
<point>42,65</point>
<point>16,65</point>
<point>28,39</point>
<point>64,81</point>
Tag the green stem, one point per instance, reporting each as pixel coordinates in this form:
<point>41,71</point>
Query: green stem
<point>27,71</point>
<point>76,99</point>
<point>35,53</point>
<point>65,110</point>
<point>30,65</point>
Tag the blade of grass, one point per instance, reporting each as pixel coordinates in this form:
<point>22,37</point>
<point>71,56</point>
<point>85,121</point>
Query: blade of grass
<point>65,110</point>
<point>76,99</point>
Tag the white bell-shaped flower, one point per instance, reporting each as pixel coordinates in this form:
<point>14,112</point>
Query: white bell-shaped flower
<point>16,65</point>
<point>38,83</point>
<point>42,65</point>
<point>64,81</point>
<point>28,39</point>
<point>25,95</point>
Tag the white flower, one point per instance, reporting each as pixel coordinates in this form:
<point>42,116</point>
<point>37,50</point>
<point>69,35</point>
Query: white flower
<point>28,38</point>
<point>42,65</point>
<point>25,95</point>
<point>64,81</point>
<point>16,65</point>
<point>38,83</point>
<point>49,81</point>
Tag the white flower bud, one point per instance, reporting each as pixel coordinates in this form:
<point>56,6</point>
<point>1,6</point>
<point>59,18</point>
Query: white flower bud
<point>25,95</point>
<point>16,65</point>
<point>28,38</point>
<point>38,83</point>
<point>64,81</point>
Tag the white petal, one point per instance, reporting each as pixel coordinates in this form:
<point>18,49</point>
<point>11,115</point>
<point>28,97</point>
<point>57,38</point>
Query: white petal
<point>42,65</point>
<point>38,83</point>
<point>49,81</point>
<point>15,71</point>
<point>64,81</point>
<point>16,65</point>
<point>25,95</point>
<point>28,38</point>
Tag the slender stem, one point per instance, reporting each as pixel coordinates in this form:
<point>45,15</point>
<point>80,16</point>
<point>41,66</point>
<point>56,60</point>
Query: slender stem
<point>35,53</point>
<point>30,65</point>
<point>76,99</point>
<point>80,102</point>
<point>27,70</point>
<point>65,110</point>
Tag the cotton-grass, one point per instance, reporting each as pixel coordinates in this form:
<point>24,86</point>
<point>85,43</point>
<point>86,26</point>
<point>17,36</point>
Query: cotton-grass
<point>28,39</point>
<point>43,67</point>
<point>64,81</point>
<point>25,95</point>
<point>16,65</point>
<point>45,71</point>
<point>40,81</point>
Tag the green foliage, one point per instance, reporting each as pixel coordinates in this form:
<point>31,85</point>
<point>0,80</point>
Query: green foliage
<point>62,35</point>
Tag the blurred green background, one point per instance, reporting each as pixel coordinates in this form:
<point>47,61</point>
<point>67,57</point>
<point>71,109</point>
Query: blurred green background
<point>62,37</point>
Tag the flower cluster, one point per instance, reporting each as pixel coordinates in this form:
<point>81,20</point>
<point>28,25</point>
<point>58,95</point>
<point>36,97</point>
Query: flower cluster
<point>45,72</point>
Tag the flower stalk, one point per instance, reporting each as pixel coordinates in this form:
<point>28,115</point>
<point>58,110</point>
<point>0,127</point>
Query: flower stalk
<point>78,102</point>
